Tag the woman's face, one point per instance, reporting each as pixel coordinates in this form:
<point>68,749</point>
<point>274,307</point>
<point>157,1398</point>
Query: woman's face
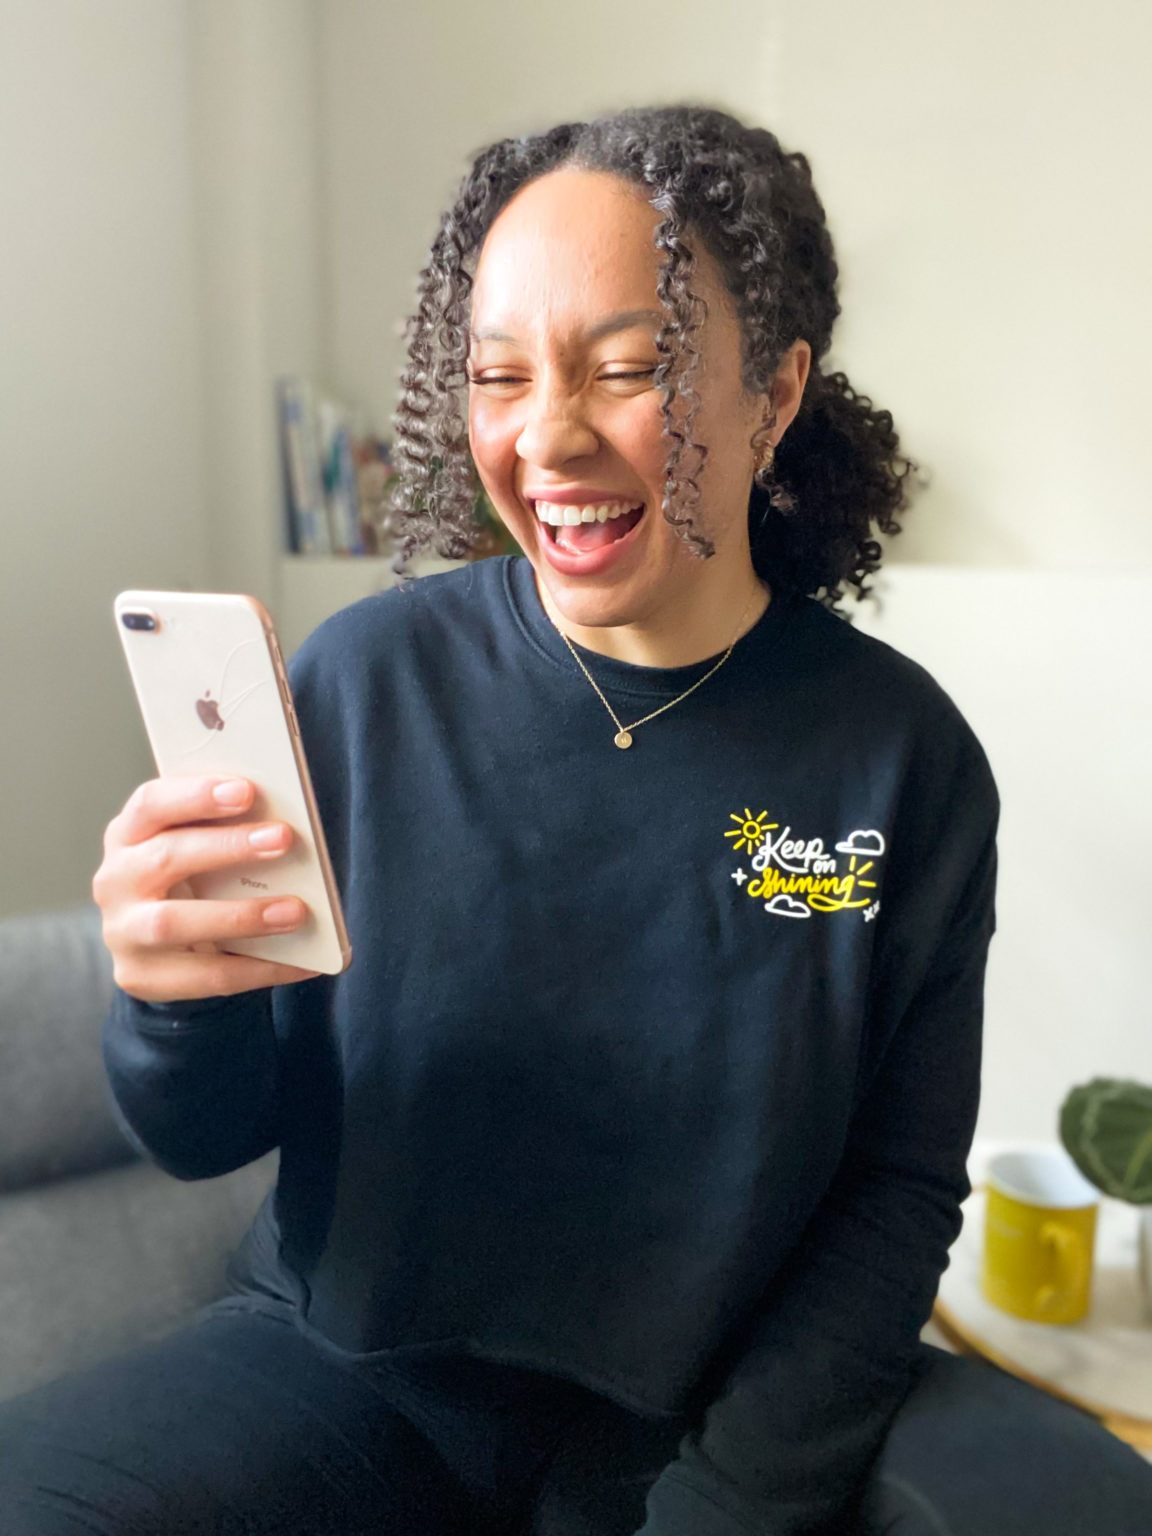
<point>564,416</point>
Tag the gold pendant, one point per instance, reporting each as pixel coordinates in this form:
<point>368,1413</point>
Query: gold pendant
<point>623,739</point>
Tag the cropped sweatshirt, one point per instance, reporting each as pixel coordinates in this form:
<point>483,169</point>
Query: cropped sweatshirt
<point>654,1069</point>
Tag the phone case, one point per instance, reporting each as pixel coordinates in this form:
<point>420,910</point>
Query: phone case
<point>214,695</point>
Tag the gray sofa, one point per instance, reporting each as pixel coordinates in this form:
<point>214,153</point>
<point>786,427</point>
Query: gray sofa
<point>99,1250</point>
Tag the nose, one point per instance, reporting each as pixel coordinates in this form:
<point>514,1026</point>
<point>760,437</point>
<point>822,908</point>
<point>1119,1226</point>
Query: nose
<point>556,429</point>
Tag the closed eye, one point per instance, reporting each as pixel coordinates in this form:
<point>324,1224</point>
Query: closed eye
<point>503,378</point>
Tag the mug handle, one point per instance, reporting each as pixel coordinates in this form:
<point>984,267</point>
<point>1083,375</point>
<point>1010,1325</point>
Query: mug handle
<point>1071,1262</point>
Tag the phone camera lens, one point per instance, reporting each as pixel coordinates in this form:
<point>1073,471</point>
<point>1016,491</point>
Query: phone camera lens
<point>139,621</point>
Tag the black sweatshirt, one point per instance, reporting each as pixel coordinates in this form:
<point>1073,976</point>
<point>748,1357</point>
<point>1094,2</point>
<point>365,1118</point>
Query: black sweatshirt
<point>656,1069</point>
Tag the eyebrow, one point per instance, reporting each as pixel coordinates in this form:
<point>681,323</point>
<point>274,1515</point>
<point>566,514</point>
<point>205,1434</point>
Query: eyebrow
<point>623,321</point>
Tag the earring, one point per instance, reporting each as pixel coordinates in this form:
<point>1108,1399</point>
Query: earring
<point>764,453</point>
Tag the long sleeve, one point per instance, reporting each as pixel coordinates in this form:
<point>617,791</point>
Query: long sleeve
<point>195,1083</point>
<point>788,1439</point>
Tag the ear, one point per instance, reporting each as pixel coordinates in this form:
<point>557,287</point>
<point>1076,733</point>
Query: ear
<point>787,388</point>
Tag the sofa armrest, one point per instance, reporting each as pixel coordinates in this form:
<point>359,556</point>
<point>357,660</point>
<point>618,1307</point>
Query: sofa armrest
<point>56,1115</point>
<point>92,1266</point>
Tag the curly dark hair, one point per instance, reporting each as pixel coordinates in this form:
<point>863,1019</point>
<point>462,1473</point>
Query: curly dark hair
<point>752,206</point>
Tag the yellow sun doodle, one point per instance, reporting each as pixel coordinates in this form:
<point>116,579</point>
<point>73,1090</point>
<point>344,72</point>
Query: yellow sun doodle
<point>751,829</point>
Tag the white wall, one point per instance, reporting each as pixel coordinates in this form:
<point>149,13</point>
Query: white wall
<point>256,147</point>
<point>983,169</point>
<point>1050,668</point>
<point>100,423</point>
<point>159,267</point>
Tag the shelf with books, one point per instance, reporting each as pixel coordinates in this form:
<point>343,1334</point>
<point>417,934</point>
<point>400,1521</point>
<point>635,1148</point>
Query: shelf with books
<point>338,479</point>
<point>339,532</point>
<point>334,472</point>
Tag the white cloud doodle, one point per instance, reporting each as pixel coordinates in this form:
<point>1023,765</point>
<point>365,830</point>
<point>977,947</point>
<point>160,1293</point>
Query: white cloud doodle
<point>784,906</point>
<point>862,842</point>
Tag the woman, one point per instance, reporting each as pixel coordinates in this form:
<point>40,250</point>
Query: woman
<point>618,1171</point>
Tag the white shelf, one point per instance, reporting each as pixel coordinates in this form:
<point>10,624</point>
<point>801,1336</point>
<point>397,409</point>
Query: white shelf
<point>311,587</point>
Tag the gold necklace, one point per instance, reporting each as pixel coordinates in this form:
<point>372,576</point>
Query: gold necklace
<point>623,737</point>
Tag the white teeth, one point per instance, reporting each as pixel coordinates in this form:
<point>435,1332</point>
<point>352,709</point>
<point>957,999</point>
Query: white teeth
<point>568,516</point>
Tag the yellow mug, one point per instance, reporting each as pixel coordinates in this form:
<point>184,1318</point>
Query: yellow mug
<point>1039,1234</point>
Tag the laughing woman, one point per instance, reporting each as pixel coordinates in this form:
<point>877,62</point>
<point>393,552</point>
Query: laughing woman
<point>618,1171</point>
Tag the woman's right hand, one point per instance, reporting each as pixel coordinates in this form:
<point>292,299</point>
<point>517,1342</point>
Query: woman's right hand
<point>163,944</point>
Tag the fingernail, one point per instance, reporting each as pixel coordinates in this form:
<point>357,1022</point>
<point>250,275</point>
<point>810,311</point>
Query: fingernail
<point>281,914</point>
<point>231,792</point>
<point>266,837</point>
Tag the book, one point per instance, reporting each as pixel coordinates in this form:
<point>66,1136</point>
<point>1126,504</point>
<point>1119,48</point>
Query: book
<point>309,529</point>
<point>338,472</point>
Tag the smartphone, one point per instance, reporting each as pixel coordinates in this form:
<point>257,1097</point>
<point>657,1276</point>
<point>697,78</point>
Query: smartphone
<point>214,694</point>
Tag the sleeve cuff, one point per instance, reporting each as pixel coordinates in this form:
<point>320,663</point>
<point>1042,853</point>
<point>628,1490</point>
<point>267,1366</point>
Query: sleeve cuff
<point>207,1010</point>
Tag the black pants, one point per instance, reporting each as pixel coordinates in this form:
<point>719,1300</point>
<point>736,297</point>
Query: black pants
<point>243,1426</point>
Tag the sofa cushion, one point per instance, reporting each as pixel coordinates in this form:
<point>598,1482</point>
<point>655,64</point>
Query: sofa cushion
<point>95,1265</point>
<point>55,1108</point>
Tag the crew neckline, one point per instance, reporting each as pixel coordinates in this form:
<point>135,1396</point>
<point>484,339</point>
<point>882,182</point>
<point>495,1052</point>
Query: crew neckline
<point>625,676</point>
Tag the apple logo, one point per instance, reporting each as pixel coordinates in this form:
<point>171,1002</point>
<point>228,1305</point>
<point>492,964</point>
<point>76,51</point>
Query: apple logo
<point>209,712</point>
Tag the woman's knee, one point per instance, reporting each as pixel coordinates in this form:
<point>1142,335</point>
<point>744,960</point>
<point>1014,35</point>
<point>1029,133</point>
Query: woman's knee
<point>50,1485</point>
<point>974,1450</point>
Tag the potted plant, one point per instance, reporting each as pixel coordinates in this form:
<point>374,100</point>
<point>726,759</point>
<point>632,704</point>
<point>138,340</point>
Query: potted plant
<point>1106,1127</point>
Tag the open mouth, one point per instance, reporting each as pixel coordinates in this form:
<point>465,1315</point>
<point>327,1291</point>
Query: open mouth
<point>582,530</point>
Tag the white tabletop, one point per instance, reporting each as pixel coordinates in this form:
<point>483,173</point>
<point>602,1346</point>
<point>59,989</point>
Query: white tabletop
<point>1104,1362</point>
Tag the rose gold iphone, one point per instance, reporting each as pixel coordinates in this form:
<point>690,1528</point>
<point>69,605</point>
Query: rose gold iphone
<point>214,694</point>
